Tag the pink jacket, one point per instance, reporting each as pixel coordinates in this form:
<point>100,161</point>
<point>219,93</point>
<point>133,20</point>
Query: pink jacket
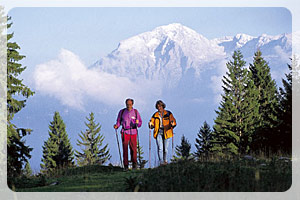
<point>128,120</point>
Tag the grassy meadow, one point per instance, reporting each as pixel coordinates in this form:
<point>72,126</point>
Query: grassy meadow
<point>234,175</point>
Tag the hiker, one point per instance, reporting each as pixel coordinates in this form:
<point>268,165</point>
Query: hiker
<point>130,120</point>
<point>163,123</point>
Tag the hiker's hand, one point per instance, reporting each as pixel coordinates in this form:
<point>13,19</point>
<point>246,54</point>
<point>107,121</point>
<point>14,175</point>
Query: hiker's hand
<point>115,126</point>
<point>137,121</point>
<point>172,123</point>
<point>150,125</point>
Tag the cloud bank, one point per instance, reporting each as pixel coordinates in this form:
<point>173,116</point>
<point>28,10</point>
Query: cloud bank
<point>216,81</point>
<point>72,83</point>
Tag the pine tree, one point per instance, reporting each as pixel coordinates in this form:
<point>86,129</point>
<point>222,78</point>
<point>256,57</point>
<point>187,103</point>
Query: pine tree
<point>3,82</point>
<point>140,158</point>
<point>250,115</point>
<point>284,136</point>
<point>267,100</point>
<point>27,170</point>
<point>230,125</point>
<point>203,142</point>
<point>57,150</point>
<point>91,141</point>
<point>17,94</point>
<point>182,151</point>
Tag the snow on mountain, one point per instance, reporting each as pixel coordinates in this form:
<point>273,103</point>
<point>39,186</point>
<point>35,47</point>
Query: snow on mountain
<point>249,44</point>
<point>269,45</point>
<point>165,53</point>
<point>172,51</point>
<point>276,50</point>
<point>231,43</point>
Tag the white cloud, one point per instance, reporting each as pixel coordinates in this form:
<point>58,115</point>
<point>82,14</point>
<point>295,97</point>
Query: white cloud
<point>216,81</point>
<point>197,100</point>
<point>282,53</point>
<point>70,81</point>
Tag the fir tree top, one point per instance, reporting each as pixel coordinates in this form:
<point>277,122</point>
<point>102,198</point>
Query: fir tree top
<point>57,150</point>
<point>91,144</point>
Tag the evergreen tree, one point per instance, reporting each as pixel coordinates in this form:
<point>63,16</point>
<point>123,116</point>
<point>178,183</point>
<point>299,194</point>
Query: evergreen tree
<point>250,115</point>
<point>284,136</point>
<point>3,78</point>
<point>267,100</point>
<point>203,142</point>
<point>183,150</point>
<point>27,170</point>
<point>140,158</point>
<point>57,150</point>
<point>233,117</point>
<point>17,94</point>
<point>92,142</point>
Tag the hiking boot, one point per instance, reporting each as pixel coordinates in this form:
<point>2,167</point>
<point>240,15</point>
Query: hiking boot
<point>134,166</point>
<point>125,168</point>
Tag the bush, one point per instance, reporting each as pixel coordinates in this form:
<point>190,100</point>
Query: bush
<point>219,176</point>
<point>27,181</point>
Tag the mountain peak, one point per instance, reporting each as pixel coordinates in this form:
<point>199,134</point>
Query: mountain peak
<point>166,53</point>
<point>242,36</point>
<point>241,39</point>
<point>170,52</point>
<point>175,31</point>
<point>172,27</point>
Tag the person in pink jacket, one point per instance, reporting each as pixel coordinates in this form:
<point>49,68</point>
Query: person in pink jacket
<point>130,119</point>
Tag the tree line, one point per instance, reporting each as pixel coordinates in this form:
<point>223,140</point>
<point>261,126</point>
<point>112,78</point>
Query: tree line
<point>253,117</point>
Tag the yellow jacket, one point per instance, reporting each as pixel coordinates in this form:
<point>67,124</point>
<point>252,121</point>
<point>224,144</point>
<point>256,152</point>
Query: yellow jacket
<point>168,128</point>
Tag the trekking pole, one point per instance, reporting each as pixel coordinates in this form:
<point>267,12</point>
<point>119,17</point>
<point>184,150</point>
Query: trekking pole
<point>119,148</point>
<point>172,146</point>
<point>139,148</point>
<point>172,143</point>
<point>149,148</point>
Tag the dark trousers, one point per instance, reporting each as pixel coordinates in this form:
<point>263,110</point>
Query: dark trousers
<point>130,140</point>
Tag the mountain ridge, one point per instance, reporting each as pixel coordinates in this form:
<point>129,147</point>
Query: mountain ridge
<point>168,52</point>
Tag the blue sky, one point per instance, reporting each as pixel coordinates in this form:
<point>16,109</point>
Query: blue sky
<point>94,32</point>
<point>91,33</point>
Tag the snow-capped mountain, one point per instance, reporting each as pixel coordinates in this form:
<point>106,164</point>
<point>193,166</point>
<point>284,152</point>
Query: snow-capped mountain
<point>169,52</point>
<point>248,44</point>
<point>231,43</point>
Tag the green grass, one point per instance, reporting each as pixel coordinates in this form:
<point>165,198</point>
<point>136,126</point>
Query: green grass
<point>272,175</point>
<point>80,179</point>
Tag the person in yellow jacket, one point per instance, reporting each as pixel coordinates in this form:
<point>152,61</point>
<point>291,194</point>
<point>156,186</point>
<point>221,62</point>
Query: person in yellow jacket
<point>163,123</point>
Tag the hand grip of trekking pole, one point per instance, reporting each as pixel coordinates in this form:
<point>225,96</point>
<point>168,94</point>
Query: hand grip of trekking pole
<point>149,148</point>
<point>172,123</point>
